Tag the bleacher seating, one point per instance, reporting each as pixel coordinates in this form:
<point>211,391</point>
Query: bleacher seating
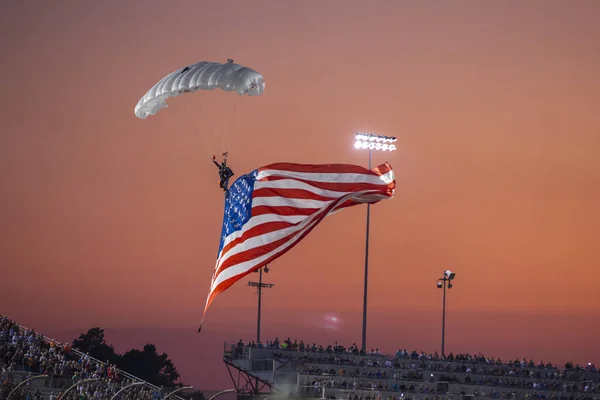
<point>338,372</point>
<point>55,371</point>
<point>51,369</point>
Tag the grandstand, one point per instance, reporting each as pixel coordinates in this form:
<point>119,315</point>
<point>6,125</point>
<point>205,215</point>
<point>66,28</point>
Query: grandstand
<point>34,367</point>
<point>335,372</point>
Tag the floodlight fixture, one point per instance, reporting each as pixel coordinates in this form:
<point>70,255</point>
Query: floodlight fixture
<point>375,146</point>
<point>449,274</point>
<point>372,141</point>
<point>372,137</point>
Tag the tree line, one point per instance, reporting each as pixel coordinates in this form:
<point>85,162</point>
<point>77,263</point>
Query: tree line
<point>146,364</point>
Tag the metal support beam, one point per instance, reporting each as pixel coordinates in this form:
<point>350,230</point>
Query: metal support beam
<point>177,390</point>
<point>62,396</point>
<point>127,387</point>
<point>214,396</point>
<point>246,383</point>
<point>25,381</point>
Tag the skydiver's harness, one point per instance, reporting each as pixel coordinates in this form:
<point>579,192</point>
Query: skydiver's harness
<point>224,172</point>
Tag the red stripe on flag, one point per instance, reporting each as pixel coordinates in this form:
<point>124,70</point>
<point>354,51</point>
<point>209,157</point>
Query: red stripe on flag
<point>227,283</point>
<point>382,169</point>
<point>282,210</point>
<point>318,169</point>
<point>257,231</point>
<point>290,194</point>
<point>336,187</point>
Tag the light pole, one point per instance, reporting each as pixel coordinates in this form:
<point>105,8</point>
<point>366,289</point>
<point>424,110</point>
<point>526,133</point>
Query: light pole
<point>442,283</point>
<point>370,141</point>
<point>260,286</point>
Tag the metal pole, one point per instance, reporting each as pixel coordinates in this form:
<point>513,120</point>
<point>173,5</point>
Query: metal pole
<point>214,396</point>
<point>444,319</point>
<point>260,272</point>
<point>259,287</point>
<point>62,396</point>
<point>127,387</point>
<point>25,381</point>
<point>364,326</point>
<point>177,390</point>
<point>260,283</point>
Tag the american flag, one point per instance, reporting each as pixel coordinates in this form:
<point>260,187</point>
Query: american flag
<point>270,210</point>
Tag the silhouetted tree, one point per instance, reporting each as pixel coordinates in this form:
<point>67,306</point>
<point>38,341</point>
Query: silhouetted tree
<point>150,366</point>
<point>93,343</point>
<point>146,364</point>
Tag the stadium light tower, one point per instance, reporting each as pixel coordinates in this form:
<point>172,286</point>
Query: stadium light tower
<point>442,283</point>
<point>260,286</point>
<point>370,141</point>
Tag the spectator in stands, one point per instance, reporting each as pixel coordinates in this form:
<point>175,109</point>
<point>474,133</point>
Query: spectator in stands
<point>409,375</point>
<point>25,354</point>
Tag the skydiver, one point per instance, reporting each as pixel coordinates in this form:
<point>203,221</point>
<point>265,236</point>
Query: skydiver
<point>224,172</point>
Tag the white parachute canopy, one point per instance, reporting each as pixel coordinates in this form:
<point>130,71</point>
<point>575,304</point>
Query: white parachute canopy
<point>203,75</point>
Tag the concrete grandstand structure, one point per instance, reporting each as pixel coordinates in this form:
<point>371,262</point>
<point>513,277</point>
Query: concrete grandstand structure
<point>291,368</point>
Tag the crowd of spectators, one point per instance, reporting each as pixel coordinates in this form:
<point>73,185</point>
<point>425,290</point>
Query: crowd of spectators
<point>418,374</point>
<point>353,349</point>
<point>25,354</point>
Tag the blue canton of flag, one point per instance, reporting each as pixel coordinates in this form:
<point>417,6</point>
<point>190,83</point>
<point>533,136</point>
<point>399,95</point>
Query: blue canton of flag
<point>238,206</point>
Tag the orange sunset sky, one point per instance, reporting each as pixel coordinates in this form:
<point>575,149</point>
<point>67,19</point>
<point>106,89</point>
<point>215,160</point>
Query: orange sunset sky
<point>108,220</point>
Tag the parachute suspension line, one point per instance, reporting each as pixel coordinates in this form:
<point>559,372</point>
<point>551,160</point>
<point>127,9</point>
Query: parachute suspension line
<point>230,130</point>
<point>210,129</point>
<point>197,133</point>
